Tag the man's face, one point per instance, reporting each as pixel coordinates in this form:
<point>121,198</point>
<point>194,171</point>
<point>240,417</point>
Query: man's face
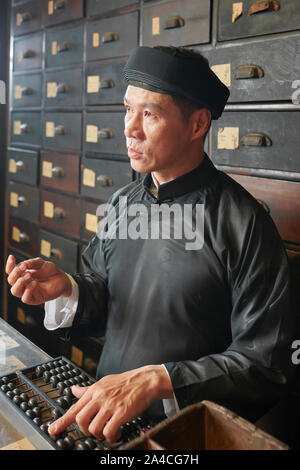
<point>156,135</point>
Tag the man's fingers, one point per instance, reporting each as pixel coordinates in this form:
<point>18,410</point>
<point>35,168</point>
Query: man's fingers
<point>20,285</point>
<point>20,269</point>
<point>29,296</point>
<point>78,391</point>
<point>10,264</point>
<point>86,415</point>
<point>111,430</point>
<point>69,417</point>
<point>98,423</point>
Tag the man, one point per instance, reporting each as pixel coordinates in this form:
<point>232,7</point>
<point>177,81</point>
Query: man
<point>183,323</point>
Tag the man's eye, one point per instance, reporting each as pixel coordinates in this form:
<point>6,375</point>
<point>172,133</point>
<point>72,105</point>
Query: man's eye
<point>148,113</point>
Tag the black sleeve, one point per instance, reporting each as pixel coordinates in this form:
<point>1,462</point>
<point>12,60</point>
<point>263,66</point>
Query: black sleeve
<point>256,369</point>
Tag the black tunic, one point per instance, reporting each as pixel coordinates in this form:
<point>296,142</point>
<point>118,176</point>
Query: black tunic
<point>217,317</point>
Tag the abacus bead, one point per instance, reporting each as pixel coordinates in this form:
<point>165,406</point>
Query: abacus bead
<point>17,400</point>
<point>69,400</point>
<point>61,386</point>
<point>32,402</point>
<point>77,380</point>
<point>82,446</point>
<point>24,406</point>
<point>44,428</point>
<point>62,402</point>
<point>4,388</point>
<point>56,413</point>
<point>11,385</point>
<point>39,371</point>
<point>46,376</point>
<point>62,444</point>
<point>69,441</point>
<point>37,410</point>
<point>60,377</point>
<point>90,443</point>
<point>77,371</point>
<point>54,380</point>
<point>68,391</point>
<point>10,394</point>
<point>30,413</point>
<point>61,362</point>
<point>67,383</point>
<point>5,380</point>
<point>37,420</point>
<point>16,391</point>
<point>24,396</point>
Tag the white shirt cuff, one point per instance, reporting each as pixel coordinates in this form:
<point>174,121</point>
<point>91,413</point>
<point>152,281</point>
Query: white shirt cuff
<point>170,404</point>
<point>60,312</point>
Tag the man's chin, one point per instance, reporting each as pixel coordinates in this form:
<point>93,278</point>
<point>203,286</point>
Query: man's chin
<point>139,166</point>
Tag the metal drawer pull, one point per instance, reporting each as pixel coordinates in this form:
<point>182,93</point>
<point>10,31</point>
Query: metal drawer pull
<point>174,22</point>
<point>28,54</point>
<point>63,47</point>
<point>55,253</point>
<point>22,201</point>
<point>256,139</point>
<point>248,71</point>
<point>105,133</point>
<point>60,4</point>
<point>265,206</point>
<point>24,238</point>
<point>110,37</point>
<point>62,88</point>
<point>60,130</point>
<point>59,213</point>
<point>25,129</point>
<point>27,91</point>
<point>263,5</point>
<point>57,172</point>
<point>26,16</point>
<point>104,180</point>
<point>20,165</point>
<point>106,83</point>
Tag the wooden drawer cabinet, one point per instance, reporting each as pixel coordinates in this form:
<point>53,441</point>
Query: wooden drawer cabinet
<point>64,46</point>
<point>28,52</point>
<point>23,201</point>
<point>104,83</point>
<point>61,251</point>
<point>104,133</point>
<point>63,88</point>
<point>60,11</point>
<point>26,128</point>
<point>97,7</point>
<point>26,18</point>
<point>60,171</point>
<point>23,165</point>
<point>62,130</point>
<point>112,37</point>
<point>176,23</point>
<point>26,90</point>
<point>88,219</point>
<point>23,236</point>
<point>281,198</point>
<point>60,213</point>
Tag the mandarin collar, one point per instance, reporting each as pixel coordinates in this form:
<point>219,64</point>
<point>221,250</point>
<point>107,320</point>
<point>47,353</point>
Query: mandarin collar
<point>186,183</point>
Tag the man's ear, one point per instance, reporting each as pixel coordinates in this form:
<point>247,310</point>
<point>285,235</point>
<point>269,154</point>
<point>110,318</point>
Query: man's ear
<point>201,122</point>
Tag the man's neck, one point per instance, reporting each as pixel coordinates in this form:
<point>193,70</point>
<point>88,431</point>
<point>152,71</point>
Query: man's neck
<point>161,177</point>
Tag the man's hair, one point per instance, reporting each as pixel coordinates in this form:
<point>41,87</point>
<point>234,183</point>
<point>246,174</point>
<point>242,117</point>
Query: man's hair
<point>186,107</point>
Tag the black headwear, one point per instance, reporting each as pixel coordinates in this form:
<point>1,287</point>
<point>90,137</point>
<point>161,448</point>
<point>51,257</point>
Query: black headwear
<point>175,75</point>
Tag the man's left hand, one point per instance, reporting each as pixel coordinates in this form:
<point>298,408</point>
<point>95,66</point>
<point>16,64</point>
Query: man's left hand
<point>114,400</point>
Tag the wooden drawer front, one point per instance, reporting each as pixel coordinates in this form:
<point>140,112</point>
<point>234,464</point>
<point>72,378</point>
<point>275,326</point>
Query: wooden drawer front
<point>23,201</point>
<point>26,18</point>
<point>89,220</point>
<point>23,165</point>
<point>63,130</point>
<point>104,83</point>
<point>28,53</point>
<point>60,171</point>
<point>63,88</point>
<point>23,236</point>
<point>101,178</point>
<point>26,128</point>
<point>112,37</point>
<point>177,23</point>
<point>282,198</point>
<point>62,252</point>
<point>280,128</point>
<point>60,11</point>
<point>26,90</point>
<point>97,7</point>
<point>258,71</point>
<point>64,46</point>
<point>286,18</point>
<point>60,213</point>
<point>104,132</point>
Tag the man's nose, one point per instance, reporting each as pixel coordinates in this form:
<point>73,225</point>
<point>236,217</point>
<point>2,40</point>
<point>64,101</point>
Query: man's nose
<point>133,127</point>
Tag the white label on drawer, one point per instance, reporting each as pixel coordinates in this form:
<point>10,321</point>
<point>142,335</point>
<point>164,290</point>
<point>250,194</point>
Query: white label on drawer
<point>93,84</point>
<point>47,169</point>
<point>96,39</point>
<point>17,127</point>
<point>77,356</point>
<point>92,134</point>
<point>17,92</point>
<point>15,234</point>
<point>13,199</point>
<point>155,26</point>
<point>50,7</point>
<point>50,129</point>
<point>48,209</point>
<point>237,11</point>
<point>51,89</point>
<point>89,178</point>
<point>91,222</point>
<point>228,138</point>
<point>12,167</point>
<point>45,248</point>
<point>18,19</point>
<point>54,48</point>
<point>21,317</point>
<point>223,72</point>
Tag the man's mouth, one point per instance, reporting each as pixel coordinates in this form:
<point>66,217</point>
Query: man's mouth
<point>134,153</point>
